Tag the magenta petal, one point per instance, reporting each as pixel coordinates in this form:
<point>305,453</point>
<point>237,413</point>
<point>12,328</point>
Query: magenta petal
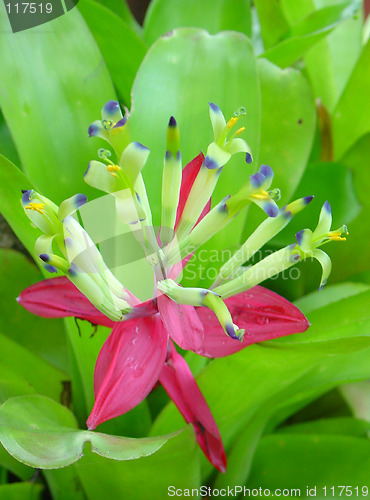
<point>182,323</point>
<point>263,314</point>
<point>59,298</point>
<point>180,385</point>
<point>128,367</point>
<point>189,175</point>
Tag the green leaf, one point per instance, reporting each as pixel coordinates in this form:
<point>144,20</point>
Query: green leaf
<point>12,383</point>
<point>330,62</point>
<point>49,120</point>
<point>7,146</point>
<point>351,118</point>
<point>21,491</point>
<point>308,31</point>
<point>212,15</point>
<point>15,467</point>
<point>338,426</point>
<point>44,337</point>
<point>357,396</point>
<point>317,461</point>
<point>121,8</point>
<point>287,124</point>
<point>12,181</point>
<point>176,463</point>
<point>122,48</point>
<point>39,432</point>
<point>64,484</point>
<point>179,75</point>
<point>43,376</point>
<point>272,21</point>
<point>346,317</point>
<point>328,295</point>
<point>353,256</point>
<point>273,378</point>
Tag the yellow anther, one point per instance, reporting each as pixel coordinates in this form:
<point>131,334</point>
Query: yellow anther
<point>232,121</point>
<point>113,168</point>
<point>37,207</point>
<point>240,130</point>
<point>336,236</point>
<point>113,174</point>
<point>263,195</point>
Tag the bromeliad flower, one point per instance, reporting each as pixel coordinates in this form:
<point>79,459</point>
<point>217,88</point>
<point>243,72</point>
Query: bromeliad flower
<point>215,322</point>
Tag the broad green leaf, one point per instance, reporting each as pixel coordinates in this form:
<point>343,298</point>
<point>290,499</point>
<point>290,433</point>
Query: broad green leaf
<point>121,8</point>
<point>346,317</point>
<point>180,74</point>
<point>288,121</point>
<point>176,463</point>
<point>326,181</point>
<point>64,484</point>
<point>351,118</point>
<point>7,147</point>
<point>328,295</point>
<point>122,48</point>
<point>48,119</point>
<point>266,371</point>
<point>317,461</point>
<point>12,383</point>
<point>272,21</point>
<point>212,15</point>
<point>12,181</point>
<point>39,432</point>
<point>330,62</point>
<point>308,31</point>
<point>11,464</point>
<point>43,376</point>
<point>44,337</point>
<point>21,491</point>
<point>354,254</point>
<point>338,426</point>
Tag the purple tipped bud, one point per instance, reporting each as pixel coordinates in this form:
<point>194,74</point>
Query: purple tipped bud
<point>172,123</point>
<point>299,237</point>
<point>121,122</point>
<point>141,146</point>
<point>26,196</point>
<point>231,331</point>
<point>214,107</point>
<point>295,257</point>
<point>44,257</point>
<point>111,106</point>
<point>51,269</point>
<point>327,207</point>
<point>248,158</point>
<point>308,199</point>
<point>209,163</point>
<point>271,210</point>
<point>256,179</point>
<point>80,199</point>
<point>266,171</point>
<point>93,130</point>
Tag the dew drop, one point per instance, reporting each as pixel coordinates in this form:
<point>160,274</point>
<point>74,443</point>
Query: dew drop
<point>240,111</point>
<point>104,153</point>
<point>262,320</point>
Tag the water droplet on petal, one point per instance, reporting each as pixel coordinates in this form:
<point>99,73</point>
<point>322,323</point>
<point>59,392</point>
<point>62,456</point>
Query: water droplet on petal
<point>240,111</point>
<point>104,153</point>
